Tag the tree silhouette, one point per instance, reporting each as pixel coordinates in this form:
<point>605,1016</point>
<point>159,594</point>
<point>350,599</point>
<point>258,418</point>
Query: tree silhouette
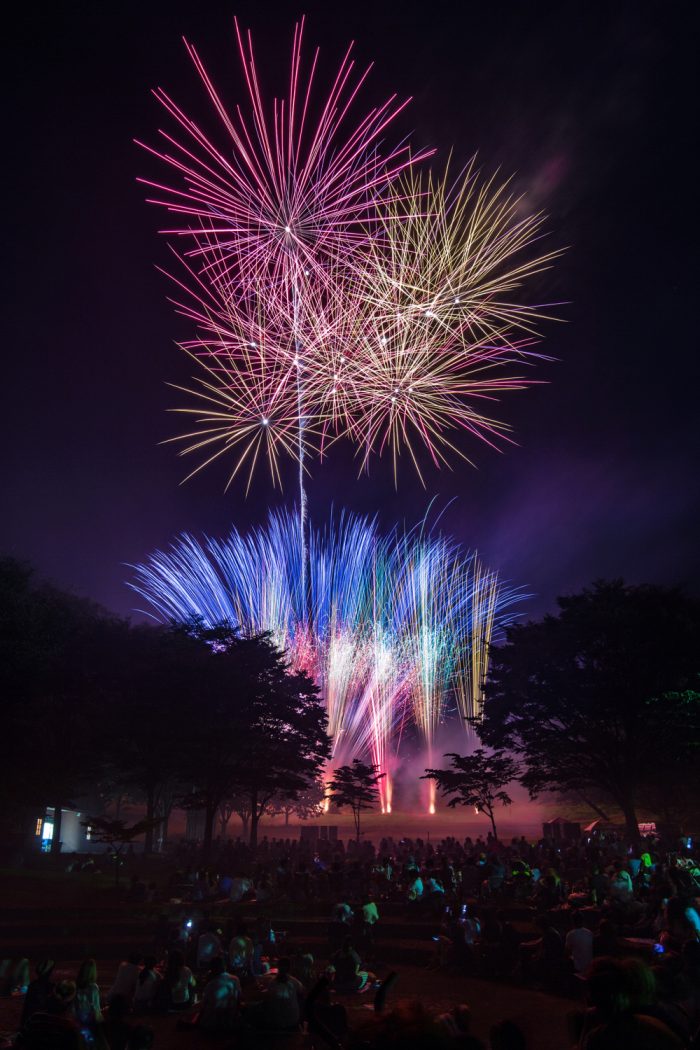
<point>476,780</point>
<point>355,786</point>
<point>595,699</point>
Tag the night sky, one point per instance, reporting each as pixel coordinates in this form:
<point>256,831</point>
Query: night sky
<point>591,105</point>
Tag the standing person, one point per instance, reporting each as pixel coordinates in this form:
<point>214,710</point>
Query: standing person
<point>86,1006</point>
<point>578,944</point>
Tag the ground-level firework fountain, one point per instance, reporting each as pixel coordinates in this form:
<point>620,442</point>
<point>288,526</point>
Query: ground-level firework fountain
<point>394,630</point>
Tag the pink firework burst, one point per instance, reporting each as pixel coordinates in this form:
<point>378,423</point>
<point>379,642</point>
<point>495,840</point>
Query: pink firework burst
<point>280,196</point>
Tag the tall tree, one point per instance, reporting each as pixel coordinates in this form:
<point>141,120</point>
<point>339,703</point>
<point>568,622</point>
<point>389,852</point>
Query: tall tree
<point>589,697</point>
<point>476,780</point>
<point>307,804</point>
<point>355,786</point>
<point>260,730</point>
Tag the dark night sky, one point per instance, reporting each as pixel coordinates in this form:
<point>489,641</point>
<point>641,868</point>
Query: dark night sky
<point>592,106</point>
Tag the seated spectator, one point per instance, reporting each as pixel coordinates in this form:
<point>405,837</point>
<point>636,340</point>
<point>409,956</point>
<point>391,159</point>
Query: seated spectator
<point>324,1017</point>
<point>86,1005</point>
<point>240,953</point>
<point>621,889</point>
<point>302,967</point>
<point>600,885</point>
<point>57,1028</point>
<point>225,885</point>
<point>178,982</point>
<point>19,983</point>
<point>126,979</point>
<point>456,1024</point>
<point>39,992</point>
<point>370,913</point>
<point>342,912</point>
<point>349,975</point>
<point>434,886</point>
<point>240,888</point>
<point>621,1017</point>
<point>146,985</point>
<point>220,999</point>
<point>579,944</point>
<point>280,1008</point>
<point>407,1027</point>
<point>543,959</point>
<point>692,913</point>
<point>209,947</point>
<point>672,1007</point>
<point>415,887</point>
<point>115,1028</point>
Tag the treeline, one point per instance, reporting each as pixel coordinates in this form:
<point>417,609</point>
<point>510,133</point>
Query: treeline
<point>600,703</point>
<point>170,716</point>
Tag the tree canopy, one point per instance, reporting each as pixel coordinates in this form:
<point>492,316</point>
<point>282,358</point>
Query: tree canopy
<point>476,780</point>
<point>179,713</point>
<point>355,786</point>
<point>594,699</point>
<point>260,730</point>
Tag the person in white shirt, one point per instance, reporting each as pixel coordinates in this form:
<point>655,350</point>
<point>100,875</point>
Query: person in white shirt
<point>579,944</point>
<point>146,984</point>
<point>220,999</point>
<point>126,979</point>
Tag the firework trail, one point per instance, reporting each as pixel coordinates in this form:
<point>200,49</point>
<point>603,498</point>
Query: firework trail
<point>393,618</point>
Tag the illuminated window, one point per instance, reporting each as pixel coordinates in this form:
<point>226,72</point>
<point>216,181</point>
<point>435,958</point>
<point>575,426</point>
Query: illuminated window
<point>48,830</point>
<point>39,822</point>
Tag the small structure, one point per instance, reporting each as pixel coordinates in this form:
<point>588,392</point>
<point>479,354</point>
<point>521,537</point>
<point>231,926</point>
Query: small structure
<point>561,830</point>
<point>319,832</point>
<point>74,837</point>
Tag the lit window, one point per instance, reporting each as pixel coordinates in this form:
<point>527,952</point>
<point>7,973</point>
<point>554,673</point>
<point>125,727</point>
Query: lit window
<point>39,822</point>
<point>48,830</point>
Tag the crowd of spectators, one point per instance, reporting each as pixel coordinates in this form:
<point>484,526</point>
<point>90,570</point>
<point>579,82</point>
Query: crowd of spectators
<point>616,928</point>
